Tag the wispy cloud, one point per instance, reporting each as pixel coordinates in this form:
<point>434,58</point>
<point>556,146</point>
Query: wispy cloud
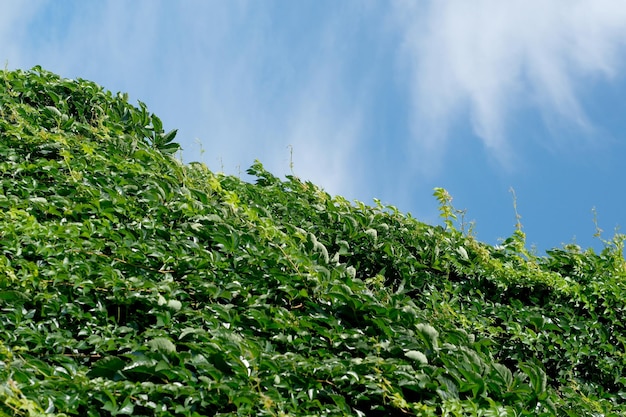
<point>245,79</point>
<point>324,135</point>
<point>489,59</point>
<point>114,42</point>
<point>263,85</point>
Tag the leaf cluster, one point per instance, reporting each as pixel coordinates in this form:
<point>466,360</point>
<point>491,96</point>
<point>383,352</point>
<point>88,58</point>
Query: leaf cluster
<point>131,284</point>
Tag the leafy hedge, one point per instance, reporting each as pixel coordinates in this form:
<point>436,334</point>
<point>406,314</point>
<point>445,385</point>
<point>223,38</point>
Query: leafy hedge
<point>132,284</point>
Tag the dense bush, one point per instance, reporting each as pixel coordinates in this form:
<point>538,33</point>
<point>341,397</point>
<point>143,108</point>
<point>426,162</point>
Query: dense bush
<point>132,284</point>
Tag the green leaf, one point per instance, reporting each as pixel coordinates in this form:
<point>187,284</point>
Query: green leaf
<point>106,367</point>
<point>463,253</point>
<point>162,344</point>
<point>38,200</point>
<point>51,110</point>
<point>169,148</point>
<point>504,374</point>
<point>157,124</point>
<point>168,137</point>
<point>127,408</point>
<point>417,356</point>
<point>538,379</point>
<point>174,305</point>
<point>13,296</point>
<point>429,335</point>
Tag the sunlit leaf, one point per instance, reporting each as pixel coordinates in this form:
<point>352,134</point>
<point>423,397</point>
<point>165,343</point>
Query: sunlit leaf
<point>162,344</point>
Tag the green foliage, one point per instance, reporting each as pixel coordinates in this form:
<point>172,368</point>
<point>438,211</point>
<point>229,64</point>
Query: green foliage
<point>131,284</point>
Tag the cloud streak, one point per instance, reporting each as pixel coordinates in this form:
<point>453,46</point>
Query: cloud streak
<point>247,80</point>
<point>488,59</point>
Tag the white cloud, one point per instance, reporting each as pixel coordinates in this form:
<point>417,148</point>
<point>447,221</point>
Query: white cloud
<point>263,87</point>
<point>490,58</point>
<point>113,42</point>
<point>325,118</point>
<point>245,79</point>
<point>324,135</point>
<point>240,77</point>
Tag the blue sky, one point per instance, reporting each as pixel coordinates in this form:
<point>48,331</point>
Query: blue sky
<point>377,99</point>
